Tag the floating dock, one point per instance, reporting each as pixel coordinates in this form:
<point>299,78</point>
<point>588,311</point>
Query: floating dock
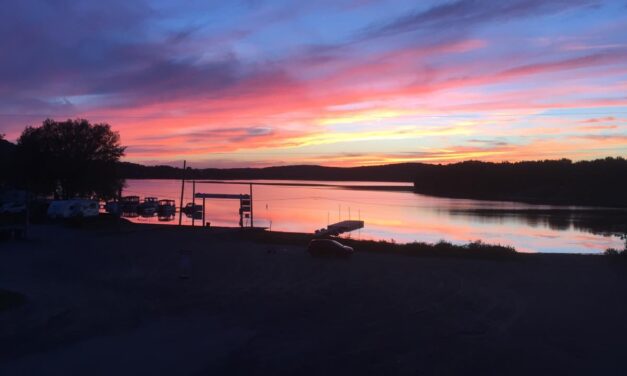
<point>340,228</point>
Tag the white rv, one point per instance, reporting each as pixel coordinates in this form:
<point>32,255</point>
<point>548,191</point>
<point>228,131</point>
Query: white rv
<point>73,208</point>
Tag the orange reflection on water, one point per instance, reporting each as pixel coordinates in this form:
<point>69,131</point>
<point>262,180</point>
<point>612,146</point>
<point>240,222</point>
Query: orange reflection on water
<point>398,215</point>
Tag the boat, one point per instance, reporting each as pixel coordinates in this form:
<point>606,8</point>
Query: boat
<point>339,228</point>
<point>114,208</point>
<point>149,207</point>
<point>130,205</point>
<point>166,208</point>
<point>191,208</point>
<point>195,215</point>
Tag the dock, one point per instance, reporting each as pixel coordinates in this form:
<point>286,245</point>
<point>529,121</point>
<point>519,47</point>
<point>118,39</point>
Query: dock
<point>340,228</point>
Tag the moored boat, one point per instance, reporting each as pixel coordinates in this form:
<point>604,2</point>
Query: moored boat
<point>149,207</point>
<point>130,205</point>
<point>191,208</point>
<point>166,208</point>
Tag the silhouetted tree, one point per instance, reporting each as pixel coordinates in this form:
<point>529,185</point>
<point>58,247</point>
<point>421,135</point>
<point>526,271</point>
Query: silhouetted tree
<point>70,158</point>
<point>6,160</point>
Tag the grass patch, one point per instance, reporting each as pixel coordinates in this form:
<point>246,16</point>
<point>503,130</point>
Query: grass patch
<point>443,248</point>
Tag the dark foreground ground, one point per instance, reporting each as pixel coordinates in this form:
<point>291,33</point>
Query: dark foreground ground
<point>109,302</point>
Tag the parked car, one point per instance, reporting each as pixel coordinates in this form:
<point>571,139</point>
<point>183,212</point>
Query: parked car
<point>12,207</point>
<point>329,247</point>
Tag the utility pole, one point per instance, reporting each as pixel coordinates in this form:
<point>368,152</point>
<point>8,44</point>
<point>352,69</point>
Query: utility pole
<point>182,191</point>
<point>204,224</point>
<point>193,201</point>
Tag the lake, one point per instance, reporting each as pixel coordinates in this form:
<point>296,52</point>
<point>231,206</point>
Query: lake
<point>392,212</point>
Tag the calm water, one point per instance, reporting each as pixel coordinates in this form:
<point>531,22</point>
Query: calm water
<point>401,216</point>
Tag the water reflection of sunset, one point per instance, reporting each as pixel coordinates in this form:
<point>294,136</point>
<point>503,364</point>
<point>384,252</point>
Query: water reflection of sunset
<point>401,216</point>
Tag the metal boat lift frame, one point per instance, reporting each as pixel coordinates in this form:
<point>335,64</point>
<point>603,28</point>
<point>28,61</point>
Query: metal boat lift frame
<point>242,197</point>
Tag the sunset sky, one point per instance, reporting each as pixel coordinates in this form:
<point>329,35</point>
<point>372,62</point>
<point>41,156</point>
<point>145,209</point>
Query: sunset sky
<point>341,82</point>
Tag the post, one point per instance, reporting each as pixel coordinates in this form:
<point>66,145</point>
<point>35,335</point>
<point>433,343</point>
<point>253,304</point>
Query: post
<point>251,205</point>
<point>203,212</point>
<point>241,213</point>
<point>193,200</point>
<point>182,191</point>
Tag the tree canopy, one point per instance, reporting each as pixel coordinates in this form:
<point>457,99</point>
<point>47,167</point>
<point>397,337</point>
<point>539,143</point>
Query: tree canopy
<point>70,158</point>
<point>6,160</point>
<point>601,182</point>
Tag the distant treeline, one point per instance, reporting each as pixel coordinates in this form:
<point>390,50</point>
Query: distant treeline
<point>601,182</point>
<point>396,173</point>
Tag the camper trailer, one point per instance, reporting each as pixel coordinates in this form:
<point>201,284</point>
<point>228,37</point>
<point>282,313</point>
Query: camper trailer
<point>73,208</point>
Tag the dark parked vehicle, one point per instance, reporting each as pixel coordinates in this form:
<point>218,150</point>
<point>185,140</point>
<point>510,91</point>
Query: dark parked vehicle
<point>328,247</point>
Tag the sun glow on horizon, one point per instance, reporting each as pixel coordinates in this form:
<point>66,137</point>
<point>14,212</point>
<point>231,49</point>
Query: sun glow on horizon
<point>372,87</point>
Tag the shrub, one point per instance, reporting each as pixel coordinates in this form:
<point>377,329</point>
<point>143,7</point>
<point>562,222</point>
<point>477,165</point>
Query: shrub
<point>612,252</point>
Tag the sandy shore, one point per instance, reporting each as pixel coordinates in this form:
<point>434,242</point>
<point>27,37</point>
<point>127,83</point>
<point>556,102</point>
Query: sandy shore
<point>109,301</point>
